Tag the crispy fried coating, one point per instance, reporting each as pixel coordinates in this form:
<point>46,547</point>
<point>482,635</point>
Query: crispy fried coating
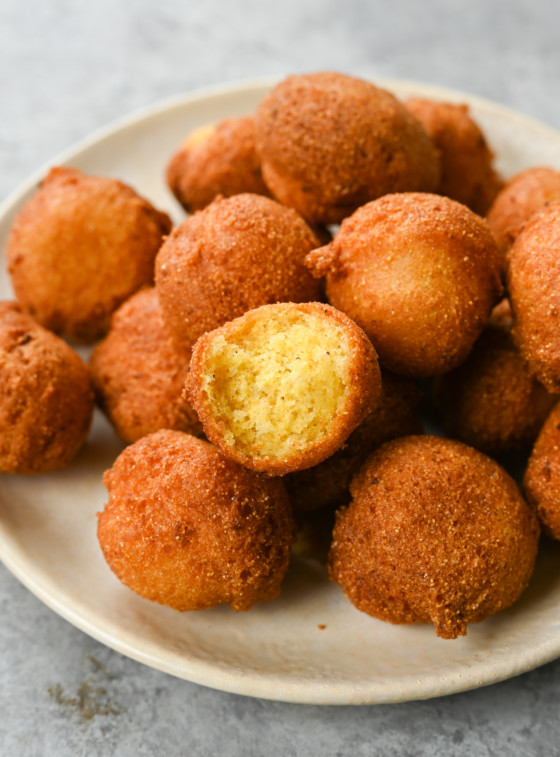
<point>521,197</point>
<point>46,400</point>
<point>436,532</point>
<point>188,528</point>
<point>467,171</point>
<point>491,401</point>
<point>79,248</point>
<point>236,254</point>
<point>220,159</point>
<point>542,477</point>
<point>533,282</point>
<point>327,484</point>
<point>138,372</point>
<point>282,387</point>
<point>419,273</point>
<point>330,143</point>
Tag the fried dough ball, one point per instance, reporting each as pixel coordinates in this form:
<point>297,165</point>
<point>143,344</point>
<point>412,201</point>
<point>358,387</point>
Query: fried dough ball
<point>330,143</point>
<point>522,196</point>
<point>419,273</point>
<point>188,528</point>
<point>46,400</point>
<point>138,372</point>
<point>436,532</point>
<point>534,289</point>
<point>236,254</point>
<point>491,401</point>
<point>542,477</point>
<point>327,484</point>
<point>79,248</point>
<point>219,159</point>
<point>281,388</point>
<point>467,171</point>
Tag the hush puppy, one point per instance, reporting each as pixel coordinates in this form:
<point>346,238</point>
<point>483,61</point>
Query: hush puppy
<point>236,254</point>
<point>46,400</point>
<point>188,528</point>
<point>138,372</point>
<point>329,143</point>
<point>281,388</point>
<point>79,248</point>
<point>419,273</point>
<point>542,477</point>
<point>436,532</point>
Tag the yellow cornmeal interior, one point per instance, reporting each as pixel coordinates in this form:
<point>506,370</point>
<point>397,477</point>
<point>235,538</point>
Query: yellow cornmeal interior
<point>278,383</point>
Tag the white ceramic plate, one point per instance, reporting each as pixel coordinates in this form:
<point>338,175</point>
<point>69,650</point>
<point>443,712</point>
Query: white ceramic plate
<point>279,650</point>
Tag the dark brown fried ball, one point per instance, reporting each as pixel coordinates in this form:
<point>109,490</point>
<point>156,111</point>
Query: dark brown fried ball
<point>327,484</point>
<point>436,532</point>
<point>188,528</point>
<point>138,372</point>
<point>236,254</point>
<point>282,387</point>
<point>467,171</point>
<point>220,159</point>
<point>542,477</point>
<point>330,143</point>
<point>46,400</point>
<point>534,289</point>
<point>419,273</point>
<point>491,401</point>
<point>79,248</point>
<point>522,196</point>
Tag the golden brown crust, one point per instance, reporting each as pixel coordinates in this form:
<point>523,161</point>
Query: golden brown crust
<point>467,172</point>
<point>436,532</point>
<point>362,387</point>
<point>138,372</point>
<point>188,528</point>
<point>542,477</point>
<point>79,248</point>
<point>224,163</point>
<point>419,273</point>
<point>46,400</point>
<point>237,254</point>
<point>534,288</point>
<point>330,143</point>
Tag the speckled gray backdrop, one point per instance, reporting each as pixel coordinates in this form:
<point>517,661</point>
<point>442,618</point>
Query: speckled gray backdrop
<point>67,68</point>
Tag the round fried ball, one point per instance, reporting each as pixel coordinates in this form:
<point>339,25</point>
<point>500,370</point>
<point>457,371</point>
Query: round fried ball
<point>79,248</point>
<point>330,143</point>
<point>220,159</point>
<point>46,401</point>
<point>419,273</point>
<point>467,171</point>
<point>282,387</point>
<point>138,372</point>
<point>236,254</point>
<point>534,288</point>
<point>436,532</point>
<point>491,401</point>
<point>542,477</point>
<point>188,528</point>
<point>522,196</point>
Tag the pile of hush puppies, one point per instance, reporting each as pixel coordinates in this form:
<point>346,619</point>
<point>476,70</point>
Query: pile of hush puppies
<point>266,359</point>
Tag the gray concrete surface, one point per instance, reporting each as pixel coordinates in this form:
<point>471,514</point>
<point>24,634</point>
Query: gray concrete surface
<point>67,68</point>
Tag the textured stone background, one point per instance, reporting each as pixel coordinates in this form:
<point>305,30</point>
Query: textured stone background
<point>67,68</point>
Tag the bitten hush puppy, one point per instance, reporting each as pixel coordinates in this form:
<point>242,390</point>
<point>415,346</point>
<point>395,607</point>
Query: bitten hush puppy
<point>79,248</point>
<point>330,143</point>
<point>542,477</point>
<point>220,159</point>
<point>419,273</point>
<point>46,400</point>
<point>236,254</point>
<point>280,388</point>
<point>436,532</point>
<point>188,528</point>
<point>138,372</point>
